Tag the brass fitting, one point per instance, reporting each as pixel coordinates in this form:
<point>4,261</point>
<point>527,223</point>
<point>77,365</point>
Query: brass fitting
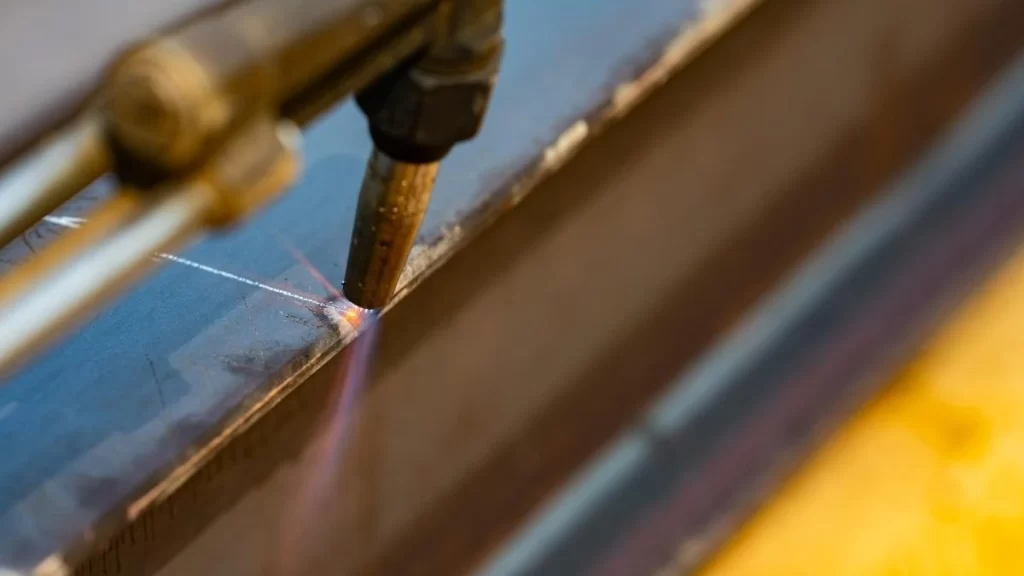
<point>161,106</point>
<point>261,160</point>
<point>392,203</point>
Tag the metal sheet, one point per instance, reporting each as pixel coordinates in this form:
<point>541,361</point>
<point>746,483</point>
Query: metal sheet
<point>511,364</point>
<point>104,413</point>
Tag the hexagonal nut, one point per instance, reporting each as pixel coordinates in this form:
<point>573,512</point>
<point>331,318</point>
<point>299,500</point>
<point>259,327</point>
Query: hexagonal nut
<point>426,109</point>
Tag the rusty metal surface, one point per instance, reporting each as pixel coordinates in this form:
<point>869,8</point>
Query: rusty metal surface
<point>97,421</point>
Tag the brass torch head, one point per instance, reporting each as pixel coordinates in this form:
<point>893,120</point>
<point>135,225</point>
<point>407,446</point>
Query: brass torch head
<point>392,203</point>
<point>162,106</point>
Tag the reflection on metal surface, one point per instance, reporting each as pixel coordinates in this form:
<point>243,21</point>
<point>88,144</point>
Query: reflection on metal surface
<point>49,176</point>
<point>61,285</point>
<point>56,293</point>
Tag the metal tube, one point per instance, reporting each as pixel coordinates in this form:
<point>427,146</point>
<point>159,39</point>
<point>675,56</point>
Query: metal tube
<point>49,176</point>
<point>51,293</point>
<point>392,202</point>
<point>172,99</point>
<point>295,41</point>
<point>311,36</point>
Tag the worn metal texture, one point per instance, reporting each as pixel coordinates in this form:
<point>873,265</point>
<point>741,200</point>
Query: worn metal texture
<point>98,424</point>
<point>106,414</point>
<point>509,366</point>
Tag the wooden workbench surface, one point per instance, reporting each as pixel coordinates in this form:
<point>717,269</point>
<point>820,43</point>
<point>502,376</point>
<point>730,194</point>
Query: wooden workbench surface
<point>928,479</point>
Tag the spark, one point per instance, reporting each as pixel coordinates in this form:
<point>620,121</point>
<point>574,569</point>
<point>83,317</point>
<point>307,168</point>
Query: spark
<point>242,279</point>
<point>339,309</point>
<point>312,269</point>
<point>353,315</point>
<point>75,222</point>
<point>305,528</point>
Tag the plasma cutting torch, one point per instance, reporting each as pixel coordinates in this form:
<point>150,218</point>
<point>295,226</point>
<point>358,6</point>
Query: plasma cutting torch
<point>198,125</point>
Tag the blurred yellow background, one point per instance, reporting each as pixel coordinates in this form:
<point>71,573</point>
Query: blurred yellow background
<point>928,479</point>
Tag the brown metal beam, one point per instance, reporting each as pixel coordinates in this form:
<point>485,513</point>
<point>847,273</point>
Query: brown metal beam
<point>724,176</point>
